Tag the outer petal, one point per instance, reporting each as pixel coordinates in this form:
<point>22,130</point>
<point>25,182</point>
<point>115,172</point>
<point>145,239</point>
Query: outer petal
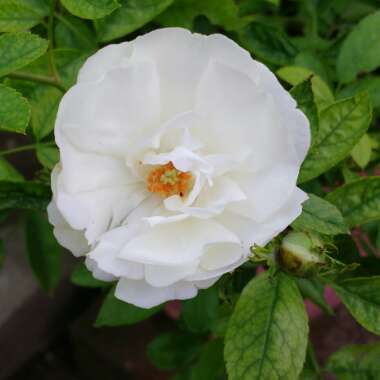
<point>69,238</point>
<point>141,294</point>
<point>175,244</point>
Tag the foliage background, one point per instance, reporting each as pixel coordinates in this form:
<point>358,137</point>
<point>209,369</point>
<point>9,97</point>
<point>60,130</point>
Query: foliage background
<point>327,53</point>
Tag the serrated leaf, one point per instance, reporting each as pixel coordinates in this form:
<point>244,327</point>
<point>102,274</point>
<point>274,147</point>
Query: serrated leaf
<point>361,153</point>
<point>43,250</point>
<point>360,51</point>
<point>90,9</point>
<point>14,110</point>
<point>358,201</point>
<point>303,95</point>
<point>356,362</point>
<point>341,125</point>
<point>172,350</point>
<point>118,313</point>
<point>44,101</point>
<point>18,15</point>
<point>268,43</point>
<point>132,15</point>
<point>8,172</point>
<point>361,296</point>
<point>182,13</point>
<point>314,290</point>
<point>267,333</point>
<point>18,50</point>
<point>81,276</point>
<point>200,312</point>
<point>48,156</point>
<point>24,195</point>
<point>320,216</point>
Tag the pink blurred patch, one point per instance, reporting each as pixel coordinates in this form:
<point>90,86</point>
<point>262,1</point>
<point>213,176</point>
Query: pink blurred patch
<point>331,298</point>
<point>173,309</point>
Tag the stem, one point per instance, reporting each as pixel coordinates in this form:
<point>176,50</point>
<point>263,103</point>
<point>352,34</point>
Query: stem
<point>52,67</point>
<point>25,148</point>
<point>37,78</point>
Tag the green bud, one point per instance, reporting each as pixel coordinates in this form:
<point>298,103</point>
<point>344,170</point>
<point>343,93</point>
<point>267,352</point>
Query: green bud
<point>301,254</point>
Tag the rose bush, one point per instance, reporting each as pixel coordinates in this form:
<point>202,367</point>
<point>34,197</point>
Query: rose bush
<point>178,152</point>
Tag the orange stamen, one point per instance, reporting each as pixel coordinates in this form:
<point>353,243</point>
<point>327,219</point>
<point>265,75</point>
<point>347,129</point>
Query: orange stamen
<point>166,180</point>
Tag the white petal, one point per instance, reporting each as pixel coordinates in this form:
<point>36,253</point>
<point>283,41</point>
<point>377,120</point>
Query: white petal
<point>99,274</point>
<point>104,60</point>
<point>175,243</point>
<point>180,58</point>
<point>69,238</point>
<point>106,117</point>
<point>221,255</point>
<point>141,294</point>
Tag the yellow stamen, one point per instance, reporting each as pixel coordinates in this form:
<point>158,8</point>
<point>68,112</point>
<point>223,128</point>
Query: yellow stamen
<point>166,180</point>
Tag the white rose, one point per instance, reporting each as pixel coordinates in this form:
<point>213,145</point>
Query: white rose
<point>178,153</point>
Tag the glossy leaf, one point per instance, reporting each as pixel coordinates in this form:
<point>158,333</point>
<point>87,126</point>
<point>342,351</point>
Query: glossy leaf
<point>358,201</point>
<point>172,350</point>
<point>81,276</point>
<point>18,15</point>
<point>320,216</point>
<point>132,15</point>
<point>43,251</point>
<point>361,296</point>
<point>118,313</point>
<point>90,9</point>
<point>268,44</point>
<point>341,126</point>
<point>360,51</point>
<point>8,172</point>
<point>200,312</point>
<point>267,333</point>
<point>356,362</point>
<point>47,155</point>
<point>14,110</point>
<point>18,50</point>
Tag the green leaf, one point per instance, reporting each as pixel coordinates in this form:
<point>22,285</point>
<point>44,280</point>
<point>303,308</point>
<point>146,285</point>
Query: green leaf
<point>44,101</point>
<point>361,153</point>
<point>370,83</point>
<point>8,172</point>
<point>356,362</point>
<point>200,312</point>
<point>311,369</point>
<point>360,51</point>
<point>14,110</point>
<point>358,201</point>
<point>173,350</point>
<point>361,296</point>
<point>182,13</point>
<point>24,195</point>
<point>90,9</point>
<point>43,251</point>
<point>18,15</point>
<point>268,43</point>
<point>74,33</point>
<point>132,14</point>
<point>118,313</point>
<point>47,155</point>
<point>18,50</point>
<point>341,125</point>
<point>314,290</point>
<point>210,365</point>
<point>267,334</point>
<point>81,276</point>
<point>303,95</point>
<point>320,216</point>
<point>294,75</point>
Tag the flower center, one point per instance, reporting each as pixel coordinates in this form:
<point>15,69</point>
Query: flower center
<point>166,180</point>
